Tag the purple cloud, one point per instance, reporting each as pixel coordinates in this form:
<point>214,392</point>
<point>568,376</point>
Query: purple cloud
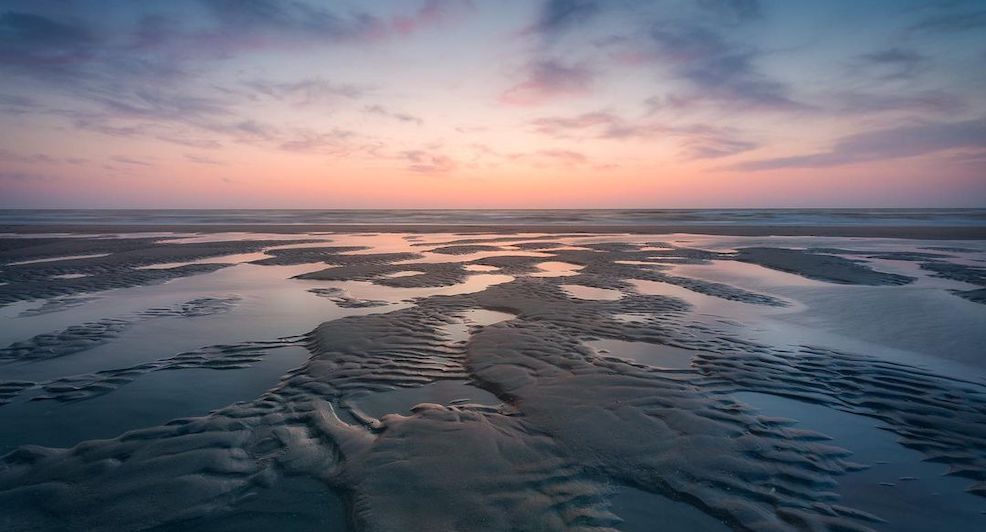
<point>716,69</point>
<point>307,91</point>
<point>548,79</point>
<point>558,15</point>
<point>380,110</point>
<point>697,141</point>
<point>883,144</point>
<point>892,63</point>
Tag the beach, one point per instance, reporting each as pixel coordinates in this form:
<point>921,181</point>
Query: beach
<point>562,375</point>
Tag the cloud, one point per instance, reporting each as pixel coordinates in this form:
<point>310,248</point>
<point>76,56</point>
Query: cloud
<point>202,159</point>
<point>32,39</point>
<point>558,15</point>
<point>26,176</point>
<point>38,158</point>
<point>892,63</point>
<point>431,13</point>
<point>307,91</point>
<point>716,69</point>
<point>857,102</point>
<point>705,142</point>
<point>139,72</point>
<point>952,22</point>
<point>737,10</point>
<point>249,24</point>
<point>687,41</point>
<point>153,42</point>
<point>243,131</point>
<point>600,123</point>
<point>17,104</point>
<point>67,44</point>
<point>334,142</point>
<point>428,162</point>
<point>149,104</point>
<point>548,79</point>
<point>565,156</point>
<point>259,23</point>
<point>192,142</point>
<point>551,156</point>
<point>131,160</point>
<point>883,144</point>
<point>697,141</point>
<point>101,124</point>
<point>380,110</point>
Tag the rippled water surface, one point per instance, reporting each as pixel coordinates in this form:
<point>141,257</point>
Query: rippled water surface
<point>494,216</point>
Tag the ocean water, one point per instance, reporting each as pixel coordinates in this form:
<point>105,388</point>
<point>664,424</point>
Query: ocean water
<point>900,217</point>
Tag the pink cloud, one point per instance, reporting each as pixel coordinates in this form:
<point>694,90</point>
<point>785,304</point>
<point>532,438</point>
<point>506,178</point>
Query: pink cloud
<point>547,80</point>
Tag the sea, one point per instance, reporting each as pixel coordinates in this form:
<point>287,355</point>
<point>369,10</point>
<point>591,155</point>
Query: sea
<point>519,217</point>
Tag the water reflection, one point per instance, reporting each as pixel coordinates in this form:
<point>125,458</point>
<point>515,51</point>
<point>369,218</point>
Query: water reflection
<point>589,292</point>
<point>909,493</point>
<point>656,355</point>
<point>557,269</point>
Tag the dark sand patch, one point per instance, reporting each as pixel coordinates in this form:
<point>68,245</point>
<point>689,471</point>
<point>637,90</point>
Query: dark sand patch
<point>819,266</point>
<point>343,299</point>
<point>83,337</point>
<point>464,249</point>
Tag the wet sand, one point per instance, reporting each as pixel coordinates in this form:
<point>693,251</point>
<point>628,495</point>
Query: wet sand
<point>453,378</point>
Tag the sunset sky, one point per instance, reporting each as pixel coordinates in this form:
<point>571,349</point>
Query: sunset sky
<point>474,103</point>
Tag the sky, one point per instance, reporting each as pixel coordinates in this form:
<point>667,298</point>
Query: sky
<point>492,104</point>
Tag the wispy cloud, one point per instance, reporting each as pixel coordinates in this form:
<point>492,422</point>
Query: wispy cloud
<point>884,144</point>
<point>717,70</point>
<point>131,161</point>
<point>550,158</point>
<point>26,176</point>
<point>696,140</point>
<point>32,41</point>
<point>955,21</point>
<point>202,159</point>
<point>430,14</point>
<point>380,110</point>
<point>892,63</point>
<point>38,158</point>
<point>547,79</point>
<point>602,123</point>
<point>428,162</point>
<point>307,91</point>
<point>868,102</point>
<point>261,23</point>
<point>334,142</point>
<point>737,10</point>
<point>558,15</point>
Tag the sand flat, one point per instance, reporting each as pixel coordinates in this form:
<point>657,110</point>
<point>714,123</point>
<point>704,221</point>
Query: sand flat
<point>535,379</point>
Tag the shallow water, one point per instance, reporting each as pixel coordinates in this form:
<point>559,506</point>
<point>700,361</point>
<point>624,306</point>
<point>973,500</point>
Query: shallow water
<point>556,269</point>
<point>627,381</point>
<point>642,511</point>
<point>898,485</point>
<point>591,292</point>
<point>654,355</point>
<point>56,259</point>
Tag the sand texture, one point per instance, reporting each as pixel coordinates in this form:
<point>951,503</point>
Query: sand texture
<point>532,381</point>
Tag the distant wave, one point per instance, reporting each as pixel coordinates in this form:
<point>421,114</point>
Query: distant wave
<point>909,217</point>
